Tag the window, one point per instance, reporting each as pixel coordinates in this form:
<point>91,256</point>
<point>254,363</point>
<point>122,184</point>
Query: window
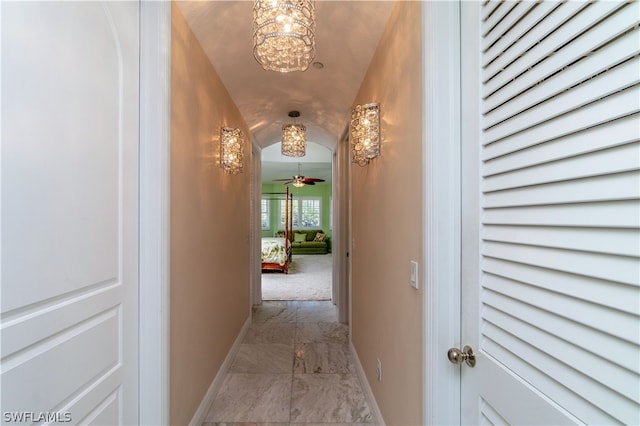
<point>264,214</point>
<point>307,213</point>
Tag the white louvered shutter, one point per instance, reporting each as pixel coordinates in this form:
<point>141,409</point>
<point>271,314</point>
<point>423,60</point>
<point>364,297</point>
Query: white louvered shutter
<point>558,324</point>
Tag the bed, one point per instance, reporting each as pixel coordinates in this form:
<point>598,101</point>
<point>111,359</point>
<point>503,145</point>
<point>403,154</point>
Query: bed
<point>276,252</point>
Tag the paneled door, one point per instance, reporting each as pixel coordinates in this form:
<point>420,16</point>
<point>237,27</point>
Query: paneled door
<point>552,309</point>
<point>70,137</point>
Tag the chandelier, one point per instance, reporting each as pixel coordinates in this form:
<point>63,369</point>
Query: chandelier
<point>284,34</point>
<point>231,150</point>
<point>365,133</point>
<point>294,138</point>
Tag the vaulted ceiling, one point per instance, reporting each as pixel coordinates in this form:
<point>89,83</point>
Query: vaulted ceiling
<point>347,34</point>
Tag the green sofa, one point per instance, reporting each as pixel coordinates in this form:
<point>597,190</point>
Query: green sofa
<point>308,246</point>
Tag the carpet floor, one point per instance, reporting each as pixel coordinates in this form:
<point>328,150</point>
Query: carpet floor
<point>309,278</point>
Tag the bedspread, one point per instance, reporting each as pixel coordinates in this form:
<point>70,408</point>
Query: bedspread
<point>274,251</point>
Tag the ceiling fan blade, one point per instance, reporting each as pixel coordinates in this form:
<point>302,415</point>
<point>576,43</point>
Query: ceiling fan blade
<point>281,180</point>
<point>313,180</point>
<point>309,183</point>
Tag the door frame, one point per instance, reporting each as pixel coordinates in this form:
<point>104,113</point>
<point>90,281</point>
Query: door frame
<point>471,193</point>
<point>154,219</point>
<point>341,191</point>
<point>442,209</point>
<point>339,285</point>
<point>256,230</point>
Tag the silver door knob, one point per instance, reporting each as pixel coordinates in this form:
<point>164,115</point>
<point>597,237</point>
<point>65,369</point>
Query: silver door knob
<point>457,356</point>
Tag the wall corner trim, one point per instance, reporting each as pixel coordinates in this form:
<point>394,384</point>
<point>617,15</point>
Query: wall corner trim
<point>200,415</point>
<point>376,415</point>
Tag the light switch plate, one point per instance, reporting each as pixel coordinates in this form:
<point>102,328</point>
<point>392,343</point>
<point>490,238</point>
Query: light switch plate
<point>414,274</point>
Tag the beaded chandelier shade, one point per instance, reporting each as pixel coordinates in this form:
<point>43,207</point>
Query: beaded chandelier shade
<point>294,138</point>
<point>231,150</point>
<point>365,133</point>
<point>284,34</point>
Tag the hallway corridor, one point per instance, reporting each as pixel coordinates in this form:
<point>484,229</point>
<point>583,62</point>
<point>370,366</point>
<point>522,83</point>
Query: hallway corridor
<point>293,367</point>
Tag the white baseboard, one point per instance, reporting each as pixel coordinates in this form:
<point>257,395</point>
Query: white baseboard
<point>376,415</point>
<point>201,413</point>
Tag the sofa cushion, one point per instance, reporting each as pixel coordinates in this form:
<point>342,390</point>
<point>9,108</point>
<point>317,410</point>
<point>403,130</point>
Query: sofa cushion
<point>299,237</point>
<point>319,237</point>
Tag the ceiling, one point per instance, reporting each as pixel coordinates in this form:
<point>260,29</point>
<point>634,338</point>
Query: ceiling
<point>347,34</point>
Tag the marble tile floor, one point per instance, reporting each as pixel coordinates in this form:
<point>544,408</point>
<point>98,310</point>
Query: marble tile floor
<point>293,367</point>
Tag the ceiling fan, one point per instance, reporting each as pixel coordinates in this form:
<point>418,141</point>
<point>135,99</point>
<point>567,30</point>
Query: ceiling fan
<point>299,180</point>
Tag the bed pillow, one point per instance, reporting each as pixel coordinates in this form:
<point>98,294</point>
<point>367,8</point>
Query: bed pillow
<point>299,238</point>
<point>319,237</point>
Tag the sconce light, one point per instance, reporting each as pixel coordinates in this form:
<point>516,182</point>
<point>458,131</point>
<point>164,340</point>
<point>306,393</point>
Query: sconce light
<point>231,150</point>
<point>365,133</point>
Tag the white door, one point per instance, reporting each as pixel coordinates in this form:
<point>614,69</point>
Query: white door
<point>69,212</point>
<point>551,307</point>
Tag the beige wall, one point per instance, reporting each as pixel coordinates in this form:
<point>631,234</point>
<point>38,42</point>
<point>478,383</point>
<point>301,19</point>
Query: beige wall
<point>387,224</point>
<point>209,226</point>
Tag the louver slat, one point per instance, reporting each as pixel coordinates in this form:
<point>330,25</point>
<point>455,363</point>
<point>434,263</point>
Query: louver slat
<point>621,242</point>
<point>501,11</point>
<point>558,78</point>
<point>604,111</point>
<point>523,45</point>
<point>492,47</point>
<point>592,90</point>
<point>609,214</point>
<point>496,43</point>
<point>549,42</point>
<point>616,296</point>
<point>615,160</point>
<point>622,186</point>
<point>594,265</point>
<point>507,313</point>
<point>607,135</point>
<point>577,391</point>
<point>489,8</point>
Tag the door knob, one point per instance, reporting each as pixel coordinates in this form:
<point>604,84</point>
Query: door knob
<point>457,356</point>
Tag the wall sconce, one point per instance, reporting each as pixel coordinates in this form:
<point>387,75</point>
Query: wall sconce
<point>231,150</point>
<point>365,133</point>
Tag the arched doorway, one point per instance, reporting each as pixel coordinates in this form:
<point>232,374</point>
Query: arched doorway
<point>310,275</point>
